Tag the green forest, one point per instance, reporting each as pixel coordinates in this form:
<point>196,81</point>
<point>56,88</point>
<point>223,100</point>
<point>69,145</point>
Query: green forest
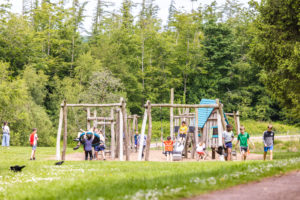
<point>246,56</point>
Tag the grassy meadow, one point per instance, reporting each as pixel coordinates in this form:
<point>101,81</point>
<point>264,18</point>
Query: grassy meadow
<point>41,179</point>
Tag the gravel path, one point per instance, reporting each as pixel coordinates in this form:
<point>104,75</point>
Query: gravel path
<point>285,187</point>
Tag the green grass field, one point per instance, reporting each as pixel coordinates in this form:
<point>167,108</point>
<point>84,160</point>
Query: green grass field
<point>41,179</point>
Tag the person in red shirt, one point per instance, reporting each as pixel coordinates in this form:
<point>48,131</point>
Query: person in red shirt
<point>169,148</point>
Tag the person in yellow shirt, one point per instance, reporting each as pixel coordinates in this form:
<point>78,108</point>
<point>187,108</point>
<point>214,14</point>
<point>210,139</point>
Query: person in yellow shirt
<point>183,131</point>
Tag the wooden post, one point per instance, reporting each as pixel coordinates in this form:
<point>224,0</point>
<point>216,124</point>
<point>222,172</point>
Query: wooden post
<point>186,146</point>
<point>65,111</point>
<point>124,114</point>
<point>172,114</point>
<point>238,120</point>
<point>196,138</point>
<point>142,134</point>
<point>117,150</point>
<point>149,132</point>
<point>95,120</point>
<point>220,129</point>
<point>121,133</point>
<point>88,115</point>
<point>112,133</point>
<point>221,113</point>
<point>235,123</point>
<point>59,134</point>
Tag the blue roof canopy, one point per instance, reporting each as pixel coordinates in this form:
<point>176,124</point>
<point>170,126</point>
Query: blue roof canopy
<point>204,113</point>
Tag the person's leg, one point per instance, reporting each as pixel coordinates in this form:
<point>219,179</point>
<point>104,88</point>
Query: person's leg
<point>96,155</point>
<point>91,155</point>
<point>226,152</point>
<point>168,155</point>
<point>229,154</point>
<point>7,141</point>
<point>271,154</point>
<point>171,156</point>
<point>265,155</point>
<point>33,154</point>
<point>86,155</point>
<point>103,154</point>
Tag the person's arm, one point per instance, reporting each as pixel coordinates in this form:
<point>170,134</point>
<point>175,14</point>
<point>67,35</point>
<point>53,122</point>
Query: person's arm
<point>264,139</point>
<point>237,141</point>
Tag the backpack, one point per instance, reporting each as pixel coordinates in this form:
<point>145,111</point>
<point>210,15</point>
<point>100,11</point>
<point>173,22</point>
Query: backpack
<point>31,139</point>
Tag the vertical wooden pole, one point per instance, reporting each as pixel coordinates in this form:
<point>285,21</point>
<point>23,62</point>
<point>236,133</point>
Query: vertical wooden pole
<point>112,134</point>
<point>117,150</point>
<point>142,134</point>
<point>221,113</point>
<point>88,123</point>
<point>149,131</point>
<point>172,114</point>
<point>121,134</point>
<point>186,146</point>
<point>59,134</point>
<point>127,152</point>
<point>65,111</point>
<point>220,129</point>
<point>196,141</point>
<point>235,123</point>
<point>238,120</point>
<point>95,121</point>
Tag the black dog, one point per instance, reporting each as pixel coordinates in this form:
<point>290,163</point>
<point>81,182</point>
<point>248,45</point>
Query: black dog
<point>220,150</point>
<point>17,168</point>
<point>59,163</point>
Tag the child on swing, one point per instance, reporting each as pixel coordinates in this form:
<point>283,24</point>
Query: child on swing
<point>168,148</point>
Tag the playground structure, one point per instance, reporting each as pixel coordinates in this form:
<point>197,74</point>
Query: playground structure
<point>206,123</point>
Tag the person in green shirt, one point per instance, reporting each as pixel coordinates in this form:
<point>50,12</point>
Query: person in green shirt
<point>243,138</point>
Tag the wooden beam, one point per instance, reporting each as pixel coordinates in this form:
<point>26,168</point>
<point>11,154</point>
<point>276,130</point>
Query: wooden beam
<point>220,107</point>
<point>112,133</point>
<point>101,118</point>
<point>220,129</point>
<point>184,105</point>
<point>94,105</point>
<point>148,144</point>
<point>104,123</point>
<point>65,111</point>
<point>95,119</point>
<point>238,120</point>
<point>171,114</point>
<point>59,134</point>
<point>117,134</point>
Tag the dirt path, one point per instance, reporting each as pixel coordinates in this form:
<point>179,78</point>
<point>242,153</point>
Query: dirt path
<point>286,187</point>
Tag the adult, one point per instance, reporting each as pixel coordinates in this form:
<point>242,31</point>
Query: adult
<point>268,139</point>
<point>5,137</point>
<point>228,137</point>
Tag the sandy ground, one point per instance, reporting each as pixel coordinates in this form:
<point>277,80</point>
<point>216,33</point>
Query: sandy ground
<point>285,187</point>
<point>158,156</point>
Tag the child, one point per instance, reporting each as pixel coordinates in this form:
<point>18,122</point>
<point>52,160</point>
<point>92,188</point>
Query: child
<point>169,148</point>
<point>136,140</point>
<point>243,139</point>
<point>101,146</point>
<point>33,142</point>
<point>227,141</point>
<point>144,143</point>
<point>183,131</point>
<point>200,151</point>
<point>5,137</point>
<point>268,139</point>
<point>88,146</point>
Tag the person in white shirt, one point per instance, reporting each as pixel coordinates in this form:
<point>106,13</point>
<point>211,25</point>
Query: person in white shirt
<point>6,136</point>
<point>201,151</point>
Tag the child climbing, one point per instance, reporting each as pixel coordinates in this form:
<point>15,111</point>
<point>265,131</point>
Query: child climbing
<point>183,131</point>
<point>168,148</point>
<point>228,137</point>
<point>201,151</point>
<point>136,135</point>
<point>33,142</point>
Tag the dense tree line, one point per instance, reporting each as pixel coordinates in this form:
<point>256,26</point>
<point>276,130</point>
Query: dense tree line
<point>248,57</point>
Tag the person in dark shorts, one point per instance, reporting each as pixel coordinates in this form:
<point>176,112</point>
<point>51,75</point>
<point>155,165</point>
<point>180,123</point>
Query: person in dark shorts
<point>243,138</point>
<point>228,137</point>
<point>268,139</point>
<point>183,131</point>
<point>88,146</point>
